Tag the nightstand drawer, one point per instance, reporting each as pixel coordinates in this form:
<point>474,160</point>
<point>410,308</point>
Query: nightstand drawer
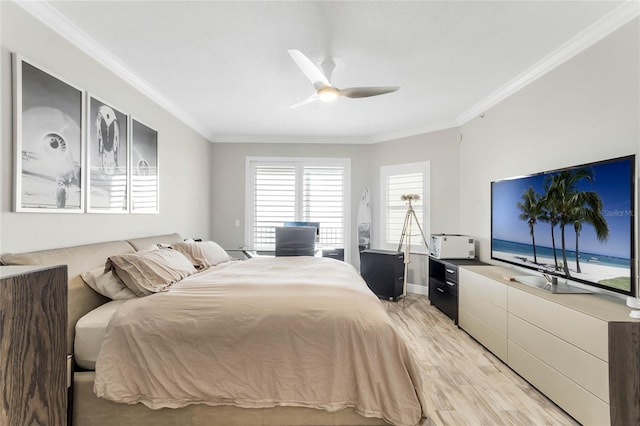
<point>451,273</point>
<point>444,297</point>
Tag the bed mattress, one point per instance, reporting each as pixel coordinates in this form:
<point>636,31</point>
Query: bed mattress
<point>90,330</point>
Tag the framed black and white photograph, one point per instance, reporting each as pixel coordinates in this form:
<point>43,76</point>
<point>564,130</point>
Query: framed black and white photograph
<point>48,137</point>
<point>144,168</point>
<point>107,158</point>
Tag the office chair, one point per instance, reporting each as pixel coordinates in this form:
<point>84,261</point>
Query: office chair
<point>295,241</point>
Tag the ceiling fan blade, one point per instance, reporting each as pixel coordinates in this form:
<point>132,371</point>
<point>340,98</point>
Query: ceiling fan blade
<point>365,92</point>
<point>310,99</point>
<point>313,73</point>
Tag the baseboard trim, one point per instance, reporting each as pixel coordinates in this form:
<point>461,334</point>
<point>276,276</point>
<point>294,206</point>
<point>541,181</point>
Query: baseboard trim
<point>418,289</point>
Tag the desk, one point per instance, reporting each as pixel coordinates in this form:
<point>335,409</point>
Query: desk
<point>332,252</point>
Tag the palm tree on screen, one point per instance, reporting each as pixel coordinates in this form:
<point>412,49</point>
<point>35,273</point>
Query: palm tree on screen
<point>531,208</point>
<point>588,209</point>
<point>550,215</point>
<point>563,191</point>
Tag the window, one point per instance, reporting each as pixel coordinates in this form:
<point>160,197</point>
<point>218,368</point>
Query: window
<point>395,181</point>
<point>297,189</point>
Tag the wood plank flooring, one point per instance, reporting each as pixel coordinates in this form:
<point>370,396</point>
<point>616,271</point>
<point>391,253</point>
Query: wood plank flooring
<point>464,383</point>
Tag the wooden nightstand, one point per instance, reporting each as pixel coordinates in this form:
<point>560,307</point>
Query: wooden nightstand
<point>33,341</point>
<point>70,369</point>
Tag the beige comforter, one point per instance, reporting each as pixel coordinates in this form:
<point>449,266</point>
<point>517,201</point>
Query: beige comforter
<point>294,331</point>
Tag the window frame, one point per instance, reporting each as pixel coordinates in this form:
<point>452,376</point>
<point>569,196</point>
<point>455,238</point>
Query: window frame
<point>386,171</point>
<point>299,162</point>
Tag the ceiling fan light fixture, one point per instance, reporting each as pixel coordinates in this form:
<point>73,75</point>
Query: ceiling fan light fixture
<point>324,90</point>
<point>328,94</point>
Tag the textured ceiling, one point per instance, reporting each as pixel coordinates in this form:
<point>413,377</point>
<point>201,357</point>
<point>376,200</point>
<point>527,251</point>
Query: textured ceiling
<point>223,67</point>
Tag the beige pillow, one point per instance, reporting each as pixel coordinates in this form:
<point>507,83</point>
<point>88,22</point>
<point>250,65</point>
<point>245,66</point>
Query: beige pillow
<point>149,272</point>
<point>202,254</point>
<point>107,284</point>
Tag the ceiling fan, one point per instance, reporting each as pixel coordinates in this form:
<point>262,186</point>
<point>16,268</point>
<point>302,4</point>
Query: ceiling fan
<point>325,91</point>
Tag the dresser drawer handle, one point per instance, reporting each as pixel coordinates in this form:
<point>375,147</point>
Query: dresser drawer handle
<point>451,271</point>
<point>450,283</point>
<point>440,290</point>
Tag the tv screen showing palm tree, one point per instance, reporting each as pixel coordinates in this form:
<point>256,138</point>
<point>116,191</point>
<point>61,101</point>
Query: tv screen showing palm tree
<point>575,223</point>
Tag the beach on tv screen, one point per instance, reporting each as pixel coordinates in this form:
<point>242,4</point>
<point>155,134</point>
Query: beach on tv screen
<point>575,223</point>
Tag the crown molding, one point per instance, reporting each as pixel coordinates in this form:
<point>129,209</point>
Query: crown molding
<point>429,128</point>
<point>591,35</point>
<point>288,139</point>
<point>338,139</point>
<point>59,23</point>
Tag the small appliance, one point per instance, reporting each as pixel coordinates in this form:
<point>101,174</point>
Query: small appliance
<point>452,246</point>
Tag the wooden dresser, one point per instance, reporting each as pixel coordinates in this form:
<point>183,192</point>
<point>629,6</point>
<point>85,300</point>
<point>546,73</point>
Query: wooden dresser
<point>33,359</point>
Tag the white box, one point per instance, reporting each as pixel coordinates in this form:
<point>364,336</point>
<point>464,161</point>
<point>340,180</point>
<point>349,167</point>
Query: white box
<point>452,246</point>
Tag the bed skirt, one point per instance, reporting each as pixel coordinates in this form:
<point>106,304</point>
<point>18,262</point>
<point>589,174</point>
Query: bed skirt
<point>89,410</point>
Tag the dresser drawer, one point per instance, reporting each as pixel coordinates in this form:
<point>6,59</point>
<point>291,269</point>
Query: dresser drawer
<point>487,336</point>
<point>583,405</point>
<point>486,312</point>
<point>586,370</point>
<point>584,331</point>
<point>485,288</point>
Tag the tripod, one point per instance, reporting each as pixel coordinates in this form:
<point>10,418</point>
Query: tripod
<point>406,238</point>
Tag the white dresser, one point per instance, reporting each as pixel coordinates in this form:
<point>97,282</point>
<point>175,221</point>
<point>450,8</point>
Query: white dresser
<point>581,350</point>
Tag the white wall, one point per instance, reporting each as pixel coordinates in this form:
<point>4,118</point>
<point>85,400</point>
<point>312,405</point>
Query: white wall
<point>442,150</point>
<point>228,182</point>
<point>185,205</point>
<point>585,110</point>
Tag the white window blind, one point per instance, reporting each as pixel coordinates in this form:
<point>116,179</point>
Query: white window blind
<point>398,180</point>
<point>323,201</point>
<point>309,190</point>
<point>274,201</point>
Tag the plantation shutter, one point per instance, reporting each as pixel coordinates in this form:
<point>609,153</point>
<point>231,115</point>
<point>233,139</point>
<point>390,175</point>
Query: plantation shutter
<point>395,181</point>
<point>282,190</point>
<point>398,185</point>
<point>323,201</point>
<point>274,201</point>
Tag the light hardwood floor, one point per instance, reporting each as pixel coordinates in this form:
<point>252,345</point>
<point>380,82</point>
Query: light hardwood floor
<point>464,383</point>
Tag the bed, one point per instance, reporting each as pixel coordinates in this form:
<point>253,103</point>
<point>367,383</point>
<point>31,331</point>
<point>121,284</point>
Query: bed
<point>262,341</point>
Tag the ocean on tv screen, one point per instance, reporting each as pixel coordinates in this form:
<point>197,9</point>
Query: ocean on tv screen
<point>575,222</point>
<point>605,270</point>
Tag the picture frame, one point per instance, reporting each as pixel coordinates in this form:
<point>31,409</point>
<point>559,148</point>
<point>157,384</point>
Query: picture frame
<point>48,140</point>
<point>145,171</point>
<point>107,158</point>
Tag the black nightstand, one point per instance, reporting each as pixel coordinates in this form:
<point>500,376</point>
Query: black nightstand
<point>443,284</point>
<point>383,271</point>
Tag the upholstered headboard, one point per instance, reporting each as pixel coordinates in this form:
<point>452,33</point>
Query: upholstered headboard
<point>81,298</point>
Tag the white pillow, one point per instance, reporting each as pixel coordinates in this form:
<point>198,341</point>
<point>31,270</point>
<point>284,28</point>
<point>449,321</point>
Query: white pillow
<point>149,272</point>
<point>107,284</point>
<point>202,254</point>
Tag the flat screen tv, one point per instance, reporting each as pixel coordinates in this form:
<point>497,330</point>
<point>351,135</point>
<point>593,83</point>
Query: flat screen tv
<point>575,223</point>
